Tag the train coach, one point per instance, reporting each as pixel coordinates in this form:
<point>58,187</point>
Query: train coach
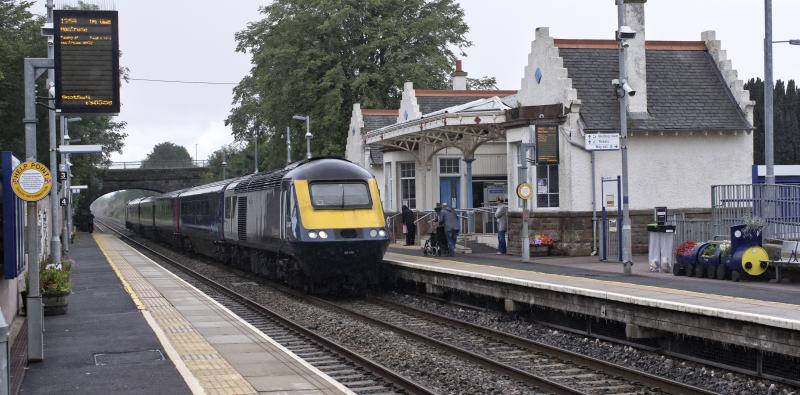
<point>316,224</point>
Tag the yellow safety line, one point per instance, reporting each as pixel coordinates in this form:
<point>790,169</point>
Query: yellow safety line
<point>125,285</point>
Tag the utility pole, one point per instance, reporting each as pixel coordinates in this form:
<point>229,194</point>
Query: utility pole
<point>769,158</point>
<point>288,145</point>
<point>224,165</point>
<point>307,119</point>
<point>627,260</point>
<point>55,227</point>
<point>255,145</point>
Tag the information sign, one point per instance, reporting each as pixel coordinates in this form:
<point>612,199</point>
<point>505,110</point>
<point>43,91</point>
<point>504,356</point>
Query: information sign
<point>524,191</point>
<point>87,61</point>
<point>31,181</point>
<point>602,141</point>
<point>546,145</point>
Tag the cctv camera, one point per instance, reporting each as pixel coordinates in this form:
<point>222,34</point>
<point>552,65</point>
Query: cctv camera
<point>615,82</point>
<point>625,33</point>
<point>627,88</point>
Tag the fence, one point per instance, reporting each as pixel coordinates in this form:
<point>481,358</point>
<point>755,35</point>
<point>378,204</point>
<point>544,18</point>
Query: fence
<point>691,229</point>
<point>158,164</point>
<point>777,205</point>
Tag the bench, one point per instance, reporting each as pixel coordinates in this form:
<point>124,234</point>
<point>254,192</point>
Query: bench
<point>790,257</point>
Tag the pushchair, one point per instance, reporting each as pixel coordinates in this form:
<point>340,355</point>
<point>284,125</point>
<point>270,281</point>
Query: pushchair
<point>436,245</point>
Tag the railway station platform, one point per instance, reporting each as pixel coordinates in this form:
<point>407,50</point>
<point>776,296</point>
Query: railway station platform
<point>755,315</point>
<point>134,327</point>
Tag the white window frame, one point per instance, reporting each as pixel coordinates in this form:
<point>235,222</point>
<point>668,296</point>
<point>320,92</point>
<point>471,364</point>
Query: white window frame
<point>450,174</point>
<point>403,179</point>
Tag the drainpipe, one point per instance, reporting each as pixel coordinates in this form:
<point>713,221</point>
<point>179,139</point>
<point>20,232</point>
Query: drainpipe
<point>594,207</point>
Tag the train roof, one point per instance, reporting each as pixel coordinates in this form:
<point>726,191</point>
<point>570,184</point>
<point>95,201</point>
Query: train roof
<point>216,186</point>
<point>134,201</point>
<point>314,169</point>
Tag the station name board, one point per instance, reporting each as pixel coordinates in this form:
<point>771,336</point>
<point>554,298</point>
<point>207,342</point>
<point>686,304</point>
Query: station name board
<point>547,145</point>
<point>86,61</point>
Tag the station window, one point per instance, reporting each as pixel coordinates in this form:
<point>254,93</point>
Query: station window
<point>449,166</point>
<point>408,184</point>
<point>547,186</point>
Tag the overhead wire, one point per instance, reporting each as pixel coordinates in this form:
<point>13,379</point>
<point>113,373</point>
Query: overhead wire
<point>183,82</point>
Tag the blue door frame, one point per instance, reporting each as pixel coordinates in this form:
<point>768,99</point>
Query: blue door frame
<point>450,189</point>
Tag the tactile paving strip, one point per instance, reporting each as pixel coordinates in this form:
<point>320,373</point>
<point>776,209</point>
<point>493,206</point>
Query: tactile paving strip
<point>214,373</point>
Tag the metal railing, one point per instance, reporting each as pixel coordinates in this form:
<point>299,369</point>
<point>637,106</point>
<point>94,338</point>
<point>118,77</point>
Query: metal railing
<point>777,205</point>
<point>158,164</point>
<point>692,229</point>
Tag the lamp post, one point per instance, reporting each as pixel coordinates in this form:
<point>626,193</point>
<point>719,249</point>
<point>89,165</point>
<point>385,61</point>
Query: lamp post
<point>624,33</point>
<point>306,118</point>
<point>65,167</point>
<point>224,164</point>
<point>769,89</point>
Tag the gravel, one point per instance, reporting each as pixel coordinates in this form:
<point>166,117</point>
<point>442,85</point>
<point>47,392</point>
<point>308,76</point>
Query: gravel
<point>437,370</point>
<point>711,378</point>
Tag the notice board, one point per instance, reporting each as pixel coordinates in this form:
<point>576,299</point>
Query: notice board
<point>547,145</point>
<point>86,61</point>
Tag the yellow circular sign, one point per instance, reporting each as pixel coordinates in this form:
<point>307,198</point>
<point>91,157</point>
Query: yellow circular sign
<point>31,181</point>
<point>524,191</point>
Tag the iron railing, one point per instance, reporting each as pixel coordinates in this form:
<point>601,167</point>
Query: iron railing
<point>158,164</point>
<point>778,206</point>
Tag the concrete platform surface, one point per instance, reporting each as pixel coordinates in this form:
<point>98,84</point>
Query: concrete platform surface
<point>102,322</point>
<point>215,350</point>
<point>761,303</point>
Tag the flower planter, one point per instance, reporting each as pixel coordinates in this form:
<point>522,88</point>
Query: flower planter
<point>55,304</point>
<point>540,250</point>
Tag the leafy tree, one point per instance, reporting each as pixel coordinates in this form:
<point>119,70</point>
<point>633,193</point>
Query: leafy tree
<point>239,159</point>
<point>318,57</point>
<point>482,84</point>
<point>786,121</point>
<point>168,154</point>
<point>19,39</point>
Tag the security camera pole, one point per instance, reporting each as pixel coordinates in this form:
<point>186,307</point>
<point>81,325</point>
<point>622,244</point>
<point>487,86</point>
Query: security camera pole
<point>627,259</point>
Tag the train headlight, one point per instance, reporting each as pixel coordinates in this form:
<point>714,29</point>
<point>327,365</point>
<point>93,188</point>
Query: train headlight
<point>323,234</point>
<point>373,232</point>
<point>312,235</point>
<point>382,233</point>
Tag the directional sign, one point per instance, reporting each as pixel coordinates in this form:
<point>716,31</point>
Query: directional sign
<point>31,181</point>
<point>602,141</point>
<point>87,61</point>
<point>81,149</point>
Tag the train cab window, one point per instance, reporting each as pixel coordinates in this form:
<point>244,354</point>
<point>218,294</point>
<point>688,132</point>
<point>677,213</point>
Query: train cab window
<point>331,195</point>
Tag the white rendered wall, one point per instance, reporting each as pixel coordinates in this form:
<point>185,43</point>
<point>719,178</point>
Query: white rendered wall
<point>354,148</point>
<point>673,171</point>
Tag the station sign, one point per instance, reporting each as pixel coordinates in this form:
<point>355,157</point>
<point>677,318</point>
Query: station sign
<point>31,181</point>
<point>547,145</point>
<point>602,141</point>
<point>86,44</point>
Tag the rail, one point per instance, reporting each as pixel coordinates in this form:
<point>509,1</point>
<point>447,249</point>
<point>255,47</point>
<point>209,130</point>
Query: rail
<point>379,370</point>
<point>778,206</point>
<point>158,164</point>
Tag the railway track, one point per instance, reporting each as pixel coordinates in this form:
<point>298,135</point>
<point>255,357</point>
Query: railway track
<point>358,373</point>
<point>542,366</point>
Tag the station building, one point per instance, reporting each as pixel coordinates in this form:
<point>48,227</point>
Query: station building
<point>689,123</point>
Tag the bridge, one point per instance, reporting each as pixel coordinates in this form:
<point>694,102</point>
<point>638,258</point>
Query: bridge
<point>157,176</point>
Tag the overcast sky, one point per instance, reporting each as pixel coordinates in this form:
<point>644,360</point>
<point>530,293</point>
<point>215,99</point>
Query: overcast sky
<point>194,41</point>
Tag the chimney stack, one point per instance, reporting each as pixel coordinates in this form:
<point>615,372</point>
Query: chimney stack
<point>459,78</point>
<point>635,57</point>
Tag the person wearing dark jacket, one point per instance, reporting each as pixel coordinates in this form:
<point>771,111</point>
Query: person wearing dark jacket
<point>410,226</point>
<point>449,220</point>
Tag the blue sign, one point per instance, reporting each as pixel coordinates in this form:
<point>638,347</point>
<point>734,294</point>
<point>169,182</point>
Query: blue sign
<point>13,218</point>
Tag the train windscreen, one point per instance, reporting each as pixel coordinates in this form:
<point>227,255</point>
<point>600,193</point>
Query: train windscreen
<point>333,195</point>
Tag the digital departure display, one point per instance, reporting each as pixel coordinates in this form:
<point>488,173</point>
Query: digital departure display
<point>87,61</point>
<point>547,145</point>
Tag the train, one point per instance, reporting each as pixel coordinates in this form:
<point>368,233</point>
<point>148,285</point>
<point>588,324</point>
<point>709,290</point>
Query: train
<point>317,224</point>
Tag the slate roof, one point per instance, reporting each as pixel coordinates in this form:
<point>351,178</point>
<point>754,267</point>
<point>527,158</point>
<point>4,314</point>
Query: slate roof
<point>435,100</point>
<point>685,91</point>
<point>372,122</point>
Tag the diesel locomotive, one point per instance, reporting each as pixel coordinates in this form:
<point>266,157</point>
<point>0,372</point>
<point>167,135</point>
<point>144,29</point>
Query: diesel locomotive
<point>317,224</point>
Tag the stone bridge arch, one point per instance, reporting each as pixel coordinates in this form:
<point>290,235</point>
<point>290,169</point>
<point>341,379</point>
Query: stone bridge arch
<point>157,180</point>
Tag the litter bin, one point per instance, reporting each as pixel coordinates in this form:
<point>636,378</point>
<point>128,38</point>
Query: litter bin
<point>662,238</point>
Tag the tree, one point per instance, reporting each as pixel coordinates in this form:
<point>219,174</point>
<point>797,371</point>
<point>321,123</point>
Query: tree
<point>786,121</point>
<point>19,39</point>
<point>167,154</point>
<point>318,57</point>
<point>482,84</point>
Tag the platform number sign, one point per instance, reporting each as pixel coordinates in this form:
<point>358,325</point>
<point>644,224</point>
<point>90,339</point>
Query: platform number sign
<point>86,61</point>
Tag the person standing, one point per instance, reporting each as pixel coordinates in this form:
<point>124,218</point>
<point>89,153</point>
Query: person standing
<point>501,214</point>
<point>409,226</point>
<point>451,227</point>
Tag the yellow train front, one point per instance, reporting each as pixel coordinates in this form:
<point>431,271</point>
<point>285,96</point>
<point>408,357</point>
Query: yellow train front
<point>317,224</point>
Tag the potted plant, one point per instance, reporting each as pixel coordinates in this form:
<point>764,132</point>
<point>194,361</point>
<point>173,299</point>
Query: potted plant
<point>541,244</point>
<point>54,286</point>
<point>684,257</point>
